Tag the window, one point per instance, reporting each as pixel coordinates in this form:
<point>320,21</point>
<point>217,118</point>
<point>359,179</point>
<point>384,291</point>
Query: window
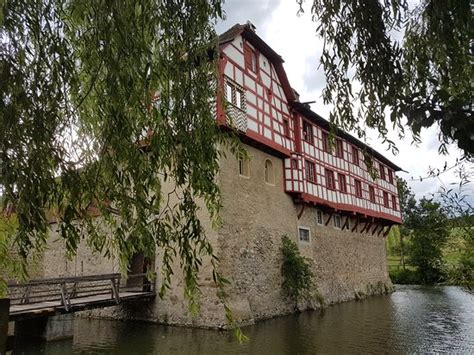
<point>339,149</point>
<point>307,132</point>
<point>382,171</point>
<point>358,188</point>
<point>303,235</point>
<point>342,183</point>
<point>294,164</point>
<point>286,128</point>
<point>234,95</point>
<point>355,156</point>
<point>319,217</point>
<point>372,194</point>
<point>244,169</point>
<point>390,176</point>
<point>385,199</point>
<point>269,176</point>
<point>310,171</point>
<point>330,183</point>
<point>326,141</point>
<point>250,58</point>
<point>337,221</point>
<point>394,202</point>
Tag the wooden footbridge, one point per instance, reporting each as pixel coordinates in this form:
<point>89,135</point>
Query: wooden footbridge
<point>48,297</point>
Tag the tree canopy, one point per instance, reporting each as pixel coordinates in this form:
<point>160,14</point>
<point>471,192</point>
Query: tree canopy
<point>424,78</point>
<point>101,103</point>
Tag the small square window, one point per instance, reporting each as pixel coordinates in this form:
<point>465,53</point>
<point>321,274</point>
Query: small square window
<point>337,221</point>
<point>244,169</point>
<point>310,171</point>
<point>358,188</point>
<point>319,217</point>
<point>303,235</point>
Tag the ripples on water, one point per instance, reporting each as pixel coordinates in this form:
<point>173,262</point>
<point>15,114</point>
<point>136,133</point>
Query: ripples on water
<point>411,320</point>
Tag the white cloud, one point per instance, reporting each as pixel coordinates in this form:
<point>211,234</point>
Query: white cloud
<point>294,38</point>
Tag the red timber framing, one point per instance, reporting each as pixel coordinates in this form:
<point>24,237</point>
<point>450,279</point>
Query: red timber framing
<point>275,121</point>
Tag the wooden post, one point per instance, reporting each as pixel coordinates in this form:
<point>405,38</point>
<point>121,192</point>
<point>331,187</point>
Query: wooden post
<point>4,316</point>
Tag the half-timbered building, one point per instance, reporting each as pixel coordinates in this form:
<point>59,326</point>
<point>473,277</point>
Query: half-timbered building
<point>334,171</point>
<point>301,180</point>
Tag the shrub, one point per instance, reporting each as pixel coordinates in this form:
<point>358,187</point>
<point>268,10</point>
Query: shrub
<point>406,277</point>
<point>297,275</point>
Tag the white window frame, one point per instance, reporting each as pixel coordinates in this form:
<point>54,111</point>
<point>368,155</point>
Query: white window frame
<point>319,213</point>
<point>242,163</point>
<point>309,235</point>
<point>237,94</point>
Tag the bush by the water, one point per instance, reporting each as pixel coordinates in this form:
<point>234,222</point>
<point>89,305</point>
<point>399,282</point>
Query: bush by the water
<point>406,277</point>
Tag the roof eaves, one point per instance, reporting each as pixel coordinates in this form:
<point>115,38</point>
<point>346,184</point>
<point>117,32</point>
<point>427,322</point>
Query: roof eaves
<point>307,112</point>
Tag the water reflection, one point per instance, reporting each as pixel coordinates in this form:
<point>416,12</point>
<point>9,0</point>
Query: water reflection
<point>411,320</point>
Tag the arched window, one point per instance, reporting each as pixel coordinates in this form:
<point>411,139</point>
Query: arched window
<point>269,175</point>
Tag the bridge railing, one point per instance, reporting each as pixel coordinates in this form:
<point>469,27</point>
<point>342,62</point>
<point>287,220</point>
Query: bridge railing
<point>67,289</point>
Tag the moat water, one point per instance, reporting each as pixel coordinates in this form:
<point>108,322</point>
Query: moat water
<point>411,320</point>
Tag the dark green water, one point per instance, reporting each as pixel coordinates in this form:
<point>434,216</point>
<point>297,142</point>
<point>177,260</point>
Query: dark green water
<point>411,320</point>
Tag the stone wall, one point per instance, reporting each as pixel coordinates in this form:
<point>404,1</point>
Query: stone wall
<point>255,215</point>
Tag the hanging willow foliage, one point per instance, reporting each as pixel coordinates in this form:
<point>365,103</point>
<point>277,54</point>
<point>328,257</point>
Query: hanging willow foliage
<point>425,77</point>
<point>102,102</point>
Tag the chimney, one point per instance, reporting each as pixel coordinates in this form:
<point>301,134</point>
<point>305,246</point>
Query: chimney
<point>297,96</point>
<point>251,26</point>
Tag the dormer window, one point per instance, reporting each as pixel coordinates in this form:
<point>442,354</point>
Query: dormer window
<point>251,58</point>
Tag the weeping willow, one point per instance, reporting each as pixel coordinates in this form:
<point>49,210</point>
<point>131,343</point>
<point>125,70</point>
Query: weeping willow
<point>407,64</point>
<point>102,102</point>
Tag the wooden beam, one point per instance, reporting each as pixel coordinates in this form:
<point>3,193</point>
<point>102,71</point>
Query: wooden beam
<point>375,228</point>
<point>387,231</point>
<point>366,227</point>
<point>380,230</point>
<point>300,213</point>
<point>355,226</point>
<point>329,219</point>
<point>345,223</point>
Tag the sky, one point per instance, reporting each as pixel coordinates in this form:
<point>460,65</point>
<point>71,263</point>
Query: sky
<point>294,37</point>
